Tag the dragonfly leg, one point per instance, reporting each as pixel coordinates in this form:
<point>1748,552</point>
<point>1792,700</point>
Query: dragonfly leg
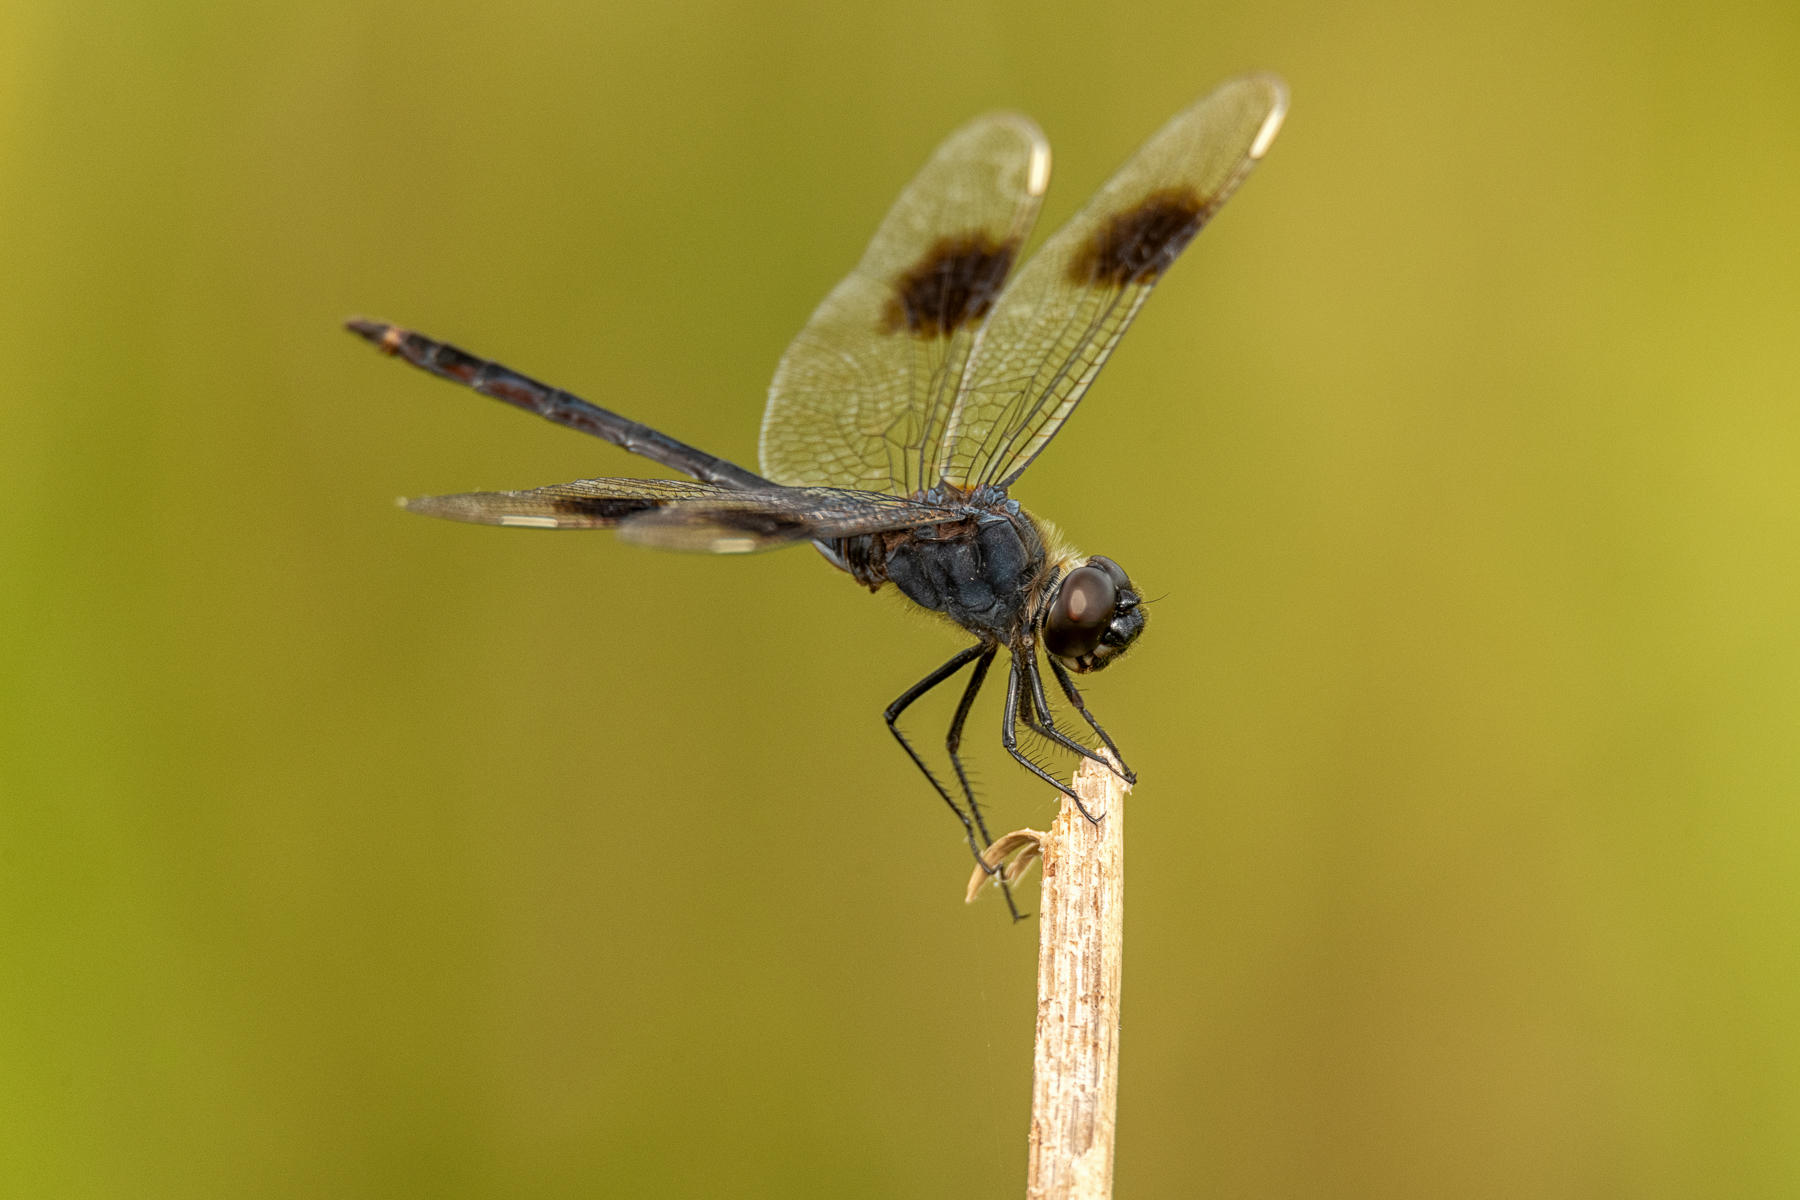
<point>982,654</point>
<point>1068,686</point>
<point>953,739</point>
<point>953,747</point>
<point>1009,737</point>
<point>1038,719</point>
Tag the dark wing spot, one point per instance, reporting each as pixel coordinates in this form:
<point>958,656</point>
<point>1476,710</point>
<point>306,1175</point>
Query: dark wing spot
<point>757,522</point>
<point>953,285</point>
<point>1137,245</point>
<point>605,508</point>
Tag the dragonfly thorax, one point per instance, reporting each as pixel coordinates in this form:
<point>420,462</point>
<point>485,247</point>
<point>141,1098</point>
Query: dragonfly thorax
<point>981,571</point>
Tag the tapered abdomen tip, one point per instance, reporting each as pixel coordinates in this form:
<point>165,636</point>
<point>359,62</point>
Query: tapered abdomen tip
<point>386,337</point>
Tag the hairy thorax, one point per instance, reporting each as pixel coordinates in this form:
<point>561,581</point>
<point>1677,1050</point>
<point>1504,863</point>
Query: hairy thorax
<point>984,572</point>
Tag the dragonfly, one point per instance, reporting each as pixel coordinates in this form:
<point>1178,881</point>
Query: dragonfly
<point>914,398</point>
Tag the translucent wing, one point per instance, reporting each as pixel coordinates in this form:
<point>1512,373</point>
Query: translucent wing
<point>674,514</point>
<point>584,504</point>
<point>1054,325</point>
<point>862,396</point>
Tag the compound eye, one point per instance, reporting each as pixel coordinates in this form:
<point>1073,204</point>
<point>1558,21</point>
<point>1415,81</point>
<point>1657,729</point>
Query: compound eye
<point>1111,568</point>
<point>1082,610</point>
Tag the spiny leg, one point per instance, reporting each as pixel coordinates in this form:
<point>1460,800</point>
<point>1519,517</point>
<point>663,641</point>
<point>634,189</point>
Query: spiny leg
<point>953,739</point>
<point>905,701</point>
<point>892,715</point>
<point>1038,719</point>
<point>1009,737</point>
<point>952,746</point>
<point>1068,686</point>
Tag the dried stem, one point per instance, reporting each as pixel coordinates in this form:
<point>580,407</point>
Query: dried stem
<point>1075,1070</point>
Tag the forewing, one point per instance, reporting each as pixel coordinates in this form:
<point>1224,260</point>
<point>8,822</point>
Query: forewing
<point>862,396</point>
<point>1054,325</point>
<point>674,514</point>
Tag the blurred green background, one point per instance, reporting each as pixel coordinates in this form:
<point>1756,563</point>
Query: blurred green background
<point>347,853</point>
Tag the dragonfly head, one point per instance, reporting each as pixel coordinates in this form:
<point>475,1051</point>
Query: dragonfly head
<point>1094,616</point>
